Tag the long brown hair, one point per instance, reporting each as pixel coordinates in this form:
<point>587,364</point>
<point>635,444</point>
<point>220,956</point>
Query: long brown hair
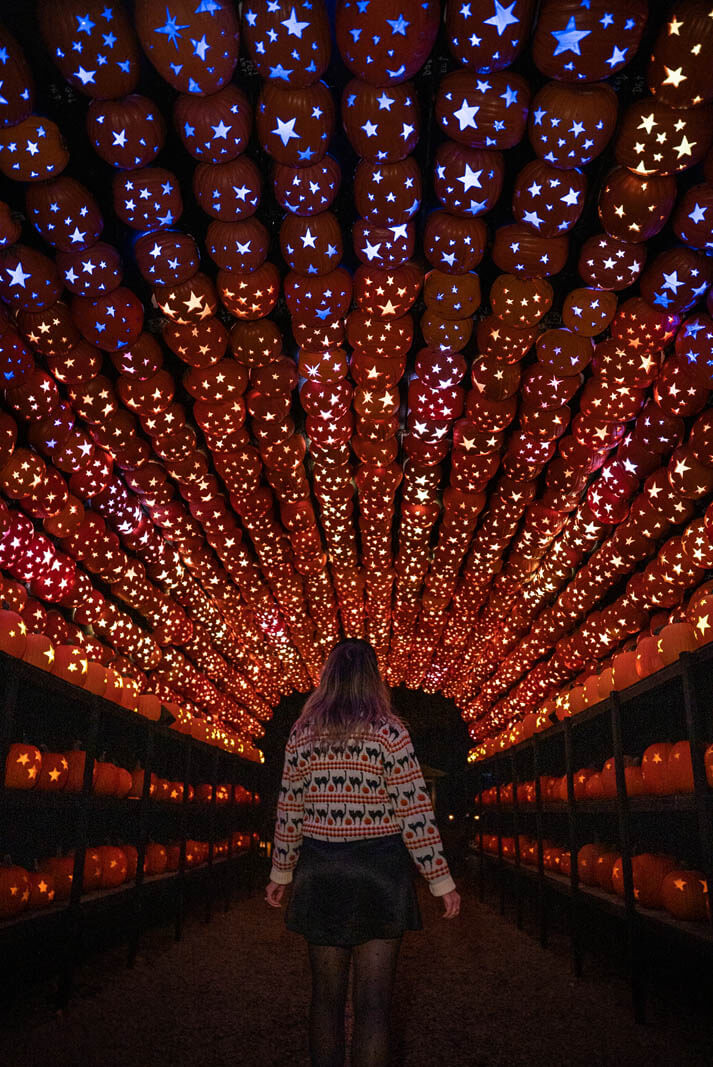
<point>351,698</point>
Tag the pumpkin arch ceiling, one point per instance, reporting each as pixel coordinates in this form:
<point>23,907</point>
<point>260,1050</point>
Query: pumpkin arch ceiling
<point>389,319</point>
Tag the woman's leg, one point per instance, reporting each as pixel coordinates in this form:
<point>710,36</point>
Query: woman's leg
<point>330,978</point>
<point>374,971</point>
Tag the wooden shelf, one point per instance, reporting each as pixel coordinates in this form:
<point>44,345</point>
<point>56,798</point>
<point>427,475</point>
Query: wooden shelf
<point>700,933</point>
<point>604,806</point>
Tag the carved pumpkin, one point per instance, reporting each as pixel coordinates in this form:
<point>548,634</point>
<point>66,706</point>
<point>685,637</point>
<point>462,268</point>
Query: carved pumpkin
<point>684,894</point>
<point>649,870</point>
<point>14,890</point>
<point>114,866</point>
<point>22,766</point>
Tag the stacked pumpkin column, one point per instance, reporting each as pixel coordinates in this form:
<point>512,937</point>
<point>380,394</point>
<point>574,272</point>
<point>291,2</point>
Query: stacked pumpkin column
<point>248,285</point>
<point>482,109</point>
<point>548,199</point>
<point>128,132</point>
<point>289,45</point>
<point>635,208</point>
<point>383,46</point>
<point>99,478</point>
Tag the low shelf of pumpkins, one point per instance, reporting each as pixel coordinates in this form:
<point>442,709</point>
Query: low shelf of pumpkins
<point>43,791</point>
<point>41,780</point>
<point>666,890</point>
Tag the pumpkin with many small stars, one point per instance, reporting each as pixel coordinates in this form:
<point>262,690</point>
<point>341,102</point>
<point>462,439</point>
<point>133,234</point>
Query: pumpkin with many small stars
<point>485,42</point>
<point>311,245</point>
<point>382,124</point>
<point>147,199</point>
<point>453,243</point>
<point>387,292</point>
<point>520,302</point>
<point>92,272</point>
<point>295,125</point>
<point>307,190</point>
<point>228,191</point>
<point>240,246</point>
<point>587,42</point>
<point>518,250</point>
<point>386,41</point>
<point>588,311</point>
<point>289,41</point>
<point>215,128</point>
<point>126,133</point>
<point>250,296</point>
<point>50,331</point>
<point>94,46</point>
<point>488,111</point>
<point>634,208</point>
<point>166,257</point>
<point>569,126</point>
<point>386,193</point>
<point>193,44</point>
<point>318,298</point>
<point>547,199</point>
<point>467,181</point>
<point>609,263</point>
<point>65,213</point>
<point>32,151</point>
<point>111,321</point>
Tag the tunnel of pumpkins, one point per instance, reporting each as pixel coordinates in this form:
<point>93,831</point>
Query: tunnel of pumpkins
<point>356,319</point>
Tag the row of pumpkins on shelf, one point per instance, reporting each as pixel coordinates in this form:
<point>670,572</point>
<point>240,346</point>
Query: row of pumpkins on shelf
<point>105,867</point>
<point>665,768</point>
<point>71,663</point>
<point>660,881</point>
<point>26,767</point>
<point>654,649</point>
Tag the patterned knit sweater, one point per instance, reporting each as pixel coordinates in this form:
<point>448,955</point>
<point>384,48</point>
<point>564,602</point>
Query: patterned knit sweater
<point>372,787</point>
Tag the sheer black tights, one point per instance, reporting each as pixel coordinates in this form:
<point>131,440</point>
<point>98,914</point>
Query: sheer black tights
<point>373,980</point>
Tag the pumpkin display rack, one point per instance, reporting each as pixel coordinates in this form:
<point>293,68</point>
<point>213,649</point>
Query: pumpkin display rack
<point>639,822</point>
<point>111,846</point>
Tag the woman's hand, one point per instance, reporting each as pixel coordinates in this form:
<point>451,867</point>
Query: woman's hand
<point>451,903</point>
<point>274,892</point>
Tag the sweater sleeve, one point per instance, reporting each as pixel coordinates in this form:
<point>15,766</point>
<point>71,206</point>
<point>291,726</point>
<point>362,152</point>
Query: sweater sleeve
<point>290,813</point>
<point>413,811</point>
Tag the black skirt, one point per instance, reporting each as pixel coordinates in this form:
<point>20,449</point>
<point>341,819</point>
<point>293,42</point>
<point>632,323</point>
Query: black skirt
<point>348,892</point>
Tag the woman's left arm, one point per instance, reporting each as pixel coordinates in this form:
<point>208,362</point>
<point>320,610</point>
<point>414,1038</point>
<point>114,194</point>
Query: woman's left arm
<point>288,827</point>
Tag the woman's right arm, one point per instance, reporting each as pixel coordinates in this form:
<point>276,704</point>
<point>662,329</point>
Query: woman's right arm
<point>290,813</point>
<point>414,813</point>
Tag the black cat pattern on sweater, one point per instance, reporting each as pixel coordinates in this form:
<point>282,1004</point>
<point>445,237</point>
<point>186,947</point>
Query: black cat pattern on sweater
<point>364,788</point>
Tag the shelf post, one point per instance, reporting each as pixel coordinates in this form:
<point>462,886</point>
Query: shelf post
<point>541,901</point>
<point>142,837</point>
<point>633,931</point>
<point>211,836</point>
<point>501,866</point>
<point>181,879</point>
<point>698,740</point>
<point>575,903</point>
<point>516,833</point>
<point>73,913</point>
